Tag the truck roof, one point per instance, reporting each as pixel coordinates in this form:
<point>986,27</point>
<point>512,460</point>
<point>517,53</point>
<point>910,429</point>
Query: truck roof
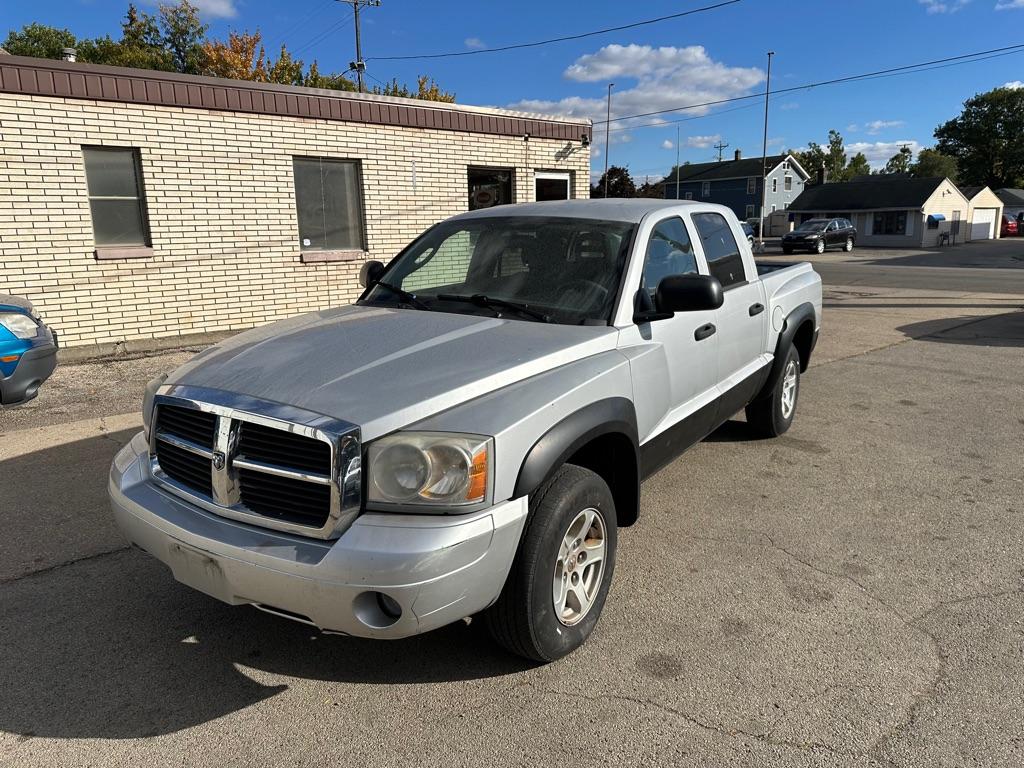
<point>610,209</point>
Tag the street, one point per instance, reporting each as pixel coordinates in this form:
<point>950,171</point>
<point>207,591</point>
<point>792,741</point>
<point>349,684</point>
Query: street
<point>849,594</point>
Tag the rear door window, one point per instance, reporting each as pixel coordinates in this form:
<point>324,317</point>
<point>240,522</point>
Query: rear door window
<point>720,248</point>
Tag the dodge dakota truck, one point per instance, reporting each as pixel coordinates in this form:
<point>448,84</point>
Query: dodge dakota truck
<point>467,438</point>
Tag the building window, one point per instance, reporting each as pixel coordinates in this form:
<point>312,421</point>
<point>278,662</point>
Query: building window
<point>775,185</point>
<point>752,185</point>
<point>705,189</point>
<point>773,208</point>
<point>552,185</point>
<point>750,212</point>
<point>116,200</point>
<point>788,183</point>
<point>489,187</point>
<point>329,204</point>
<point>890,223</point>
<point>688,195</point>
<point>785,206</point>
<point>785,165</point>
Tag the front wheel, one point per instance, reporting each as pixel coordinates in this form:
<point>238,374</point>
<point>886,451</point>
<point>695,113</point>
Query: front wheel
<point>819,247</point>
<point>559,581</point>
<point>773,414</point>
<point>849,245</point>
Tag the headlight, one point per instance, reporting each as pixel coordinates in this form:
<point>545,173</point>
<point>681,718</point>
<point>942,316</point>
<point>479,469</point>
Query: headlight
<point>147,401</point>
<point>22,326</point>
<point>429,468</point>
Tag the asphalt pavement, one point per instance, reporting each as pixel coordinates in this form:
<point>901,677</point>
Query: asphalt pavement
<point>851,594</point>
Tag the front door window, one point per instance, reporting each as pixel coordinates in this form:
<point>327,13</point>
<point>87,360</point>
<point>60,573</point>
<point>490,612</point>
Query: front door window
<point>551,186</point>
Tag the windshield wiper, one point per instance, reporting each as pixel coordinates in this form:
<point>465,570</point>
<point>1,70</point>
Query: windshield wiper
<point>481,300</point>
<point>403,294</point>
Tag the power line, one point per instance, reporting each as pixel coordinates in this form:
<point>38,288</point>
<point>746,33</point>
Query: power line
<point>580,36</point>
<point>921,66</point>
<point>302,21</point>
<point>319,38</point>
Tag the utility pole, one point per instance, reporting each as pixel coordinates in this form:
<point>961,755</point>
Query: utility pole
<point>677,161</point>
<point>607,136</point>
<point>359,66</point>
<point>720,146</point>
<point>764,153</point>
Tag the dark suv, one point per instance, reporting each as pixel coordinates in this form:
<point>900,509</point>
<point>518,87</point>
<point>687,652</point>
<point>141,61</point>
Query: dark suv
<point>816,235</point>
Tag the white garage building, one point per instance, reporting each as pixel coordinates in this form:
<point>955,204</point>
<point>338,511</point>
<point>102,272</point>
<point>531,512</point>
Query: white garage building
<point>984,213</point>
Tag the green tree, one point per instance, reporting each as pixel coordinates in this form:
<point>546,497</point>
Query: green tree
<point>987,139</point>
<point>811,159</point>
<point>900,162</point>
<point>286,70</point>
<point>932,163</point>
<point>40,41</point>
<point>183,36</point>
<point>620,184</point>
<point>858,166</point>
<point>835,158</point>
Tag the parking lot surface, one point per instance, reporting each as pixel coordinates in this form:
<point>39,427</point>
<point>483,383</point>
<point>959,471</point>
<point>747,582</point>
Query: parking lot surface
<point>850,594</point>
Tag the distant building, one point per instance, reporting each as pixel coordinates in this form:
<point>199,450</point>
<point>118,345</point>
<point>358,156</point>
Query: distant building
<point>737,183</point>
<point>984,212</point>
<point>894,210</point>
<point>1012,200</point>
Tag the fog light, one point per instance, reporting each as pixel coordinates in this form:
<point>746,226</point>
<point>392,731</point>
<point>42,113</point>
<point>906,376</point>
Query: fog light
<point>376,610</point>
<point>388,606</point>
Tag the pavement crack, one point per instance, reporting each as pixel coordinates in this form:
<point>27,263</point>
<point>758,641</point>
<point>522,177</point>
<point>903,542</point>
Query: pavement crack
<point>719,730</point>
<point>64,564</point>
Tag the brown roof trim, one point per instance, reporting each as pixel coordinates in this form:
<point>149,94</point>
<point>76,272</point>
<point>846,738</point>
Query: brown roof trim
<point>47,77</point>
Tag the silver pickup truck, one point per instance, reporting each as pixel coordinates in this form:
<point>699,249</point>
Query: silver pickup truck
<point>467,437</point>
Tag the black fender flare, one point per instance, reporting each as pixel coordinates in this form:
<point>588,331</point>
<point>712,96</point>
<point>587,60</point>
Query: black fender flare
<point>613,415</point>
<point>793,321</point>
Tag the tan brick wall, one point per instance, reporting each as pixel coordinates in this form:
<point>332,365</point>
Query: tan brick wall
<point>221,205</point>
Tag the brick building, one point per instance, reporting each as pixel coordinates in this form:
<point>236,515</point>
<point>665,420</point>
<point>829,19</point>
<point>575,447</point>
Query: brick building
<point>138,205</point>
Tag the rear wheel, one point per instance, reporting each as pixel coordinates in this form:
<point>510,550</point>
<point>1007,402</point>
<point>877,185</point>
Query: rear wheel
<point>559,581</point>
<point>849,245</point>
<point>773,414</point>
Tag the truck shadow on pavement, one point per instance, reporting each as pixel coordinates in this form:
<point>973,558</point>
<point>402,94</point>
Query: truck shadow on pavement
<point>107,645</point>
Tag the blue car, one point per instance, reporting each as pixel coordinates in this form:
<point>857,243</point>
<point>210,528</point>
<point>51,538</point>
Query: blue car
<point>28,351</point>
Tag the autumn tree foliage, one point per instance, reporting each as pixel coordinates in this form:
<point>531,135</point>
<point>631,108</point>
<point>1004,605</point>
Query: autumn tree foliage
<point>176,40</point>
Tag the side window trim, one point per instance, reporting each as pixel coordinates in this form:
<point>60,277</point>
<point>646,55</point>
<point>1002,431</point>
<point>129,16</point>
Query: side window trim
<point>700,249</point>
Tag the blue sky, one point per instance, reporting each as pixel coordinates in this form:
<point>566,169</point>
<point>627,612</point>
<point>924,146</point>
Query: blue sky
<point>703,57</point>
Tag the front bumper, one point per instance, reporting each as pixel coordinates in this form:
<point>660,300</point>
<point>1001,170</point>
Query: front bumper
<point>438,569</point>
<point>34,367</point>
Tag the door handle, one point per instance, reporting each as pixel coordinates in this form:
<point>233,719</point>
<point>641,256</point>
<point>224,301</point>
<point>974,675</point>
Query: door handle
<point>704,331</point>
<point>756,309</point>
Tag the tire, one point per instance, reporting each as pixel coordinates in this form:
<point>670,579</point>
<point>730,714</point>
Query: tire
<point>819,247</point>
<point>849,245</point>
<point>524,619</point>
<point>773,414</point>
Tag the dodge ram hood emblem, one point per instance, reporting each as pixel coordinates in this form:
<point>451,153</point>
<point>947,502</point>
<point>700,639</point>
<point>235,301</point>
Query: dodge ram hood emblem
<point>219,461</point>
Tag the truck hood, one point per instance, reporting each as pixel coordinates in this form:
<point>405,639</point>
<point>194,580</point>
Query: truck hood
<point>384,368</point>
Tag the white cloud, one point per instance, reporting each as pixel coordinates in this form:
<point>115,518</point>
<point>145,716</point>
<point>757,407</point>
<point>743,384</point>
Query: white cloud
<point>668,144</point>
<point>777,141</point>
<point>852,128</point>
<point>877,126</point>
<point>946,6</point>
<point>665,78</point>
<point>475,42</point>
<point>789,105</point>
<point>1009,5</point>
<point>879,152</point>
<point>703,142</point>
<point>224,9</point>
<point>1014,84</point>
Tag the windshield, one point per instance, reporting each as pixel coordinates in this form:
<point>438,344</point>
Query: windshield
<point>566,268</point>
<point>812,225</point>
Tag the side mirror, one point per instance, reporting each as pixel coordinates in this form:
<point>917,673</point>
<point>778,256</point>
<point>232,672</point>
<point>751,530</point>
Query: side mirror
<point>370,273</point>
<point>688,293</point>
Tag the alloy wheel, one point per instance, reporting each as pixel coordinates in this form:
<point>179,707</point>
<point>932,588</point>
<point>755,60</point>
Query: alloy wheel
<point>788,399</point>
<point>579,569</point>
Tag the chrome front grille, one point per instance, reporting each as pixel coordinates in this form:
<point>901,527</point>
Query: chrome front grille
<point>265,463</point>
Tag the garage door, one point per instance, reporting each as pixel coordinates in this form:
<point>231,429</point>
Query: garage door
<point>983,224</point>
